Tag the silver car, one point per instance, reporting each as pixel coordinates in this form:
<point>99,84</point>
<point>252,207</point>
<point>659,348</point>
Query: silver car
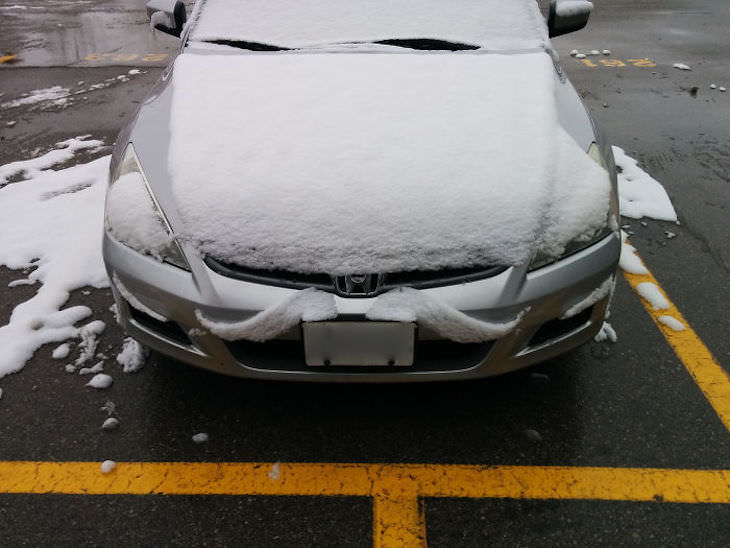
<point>366,191</point>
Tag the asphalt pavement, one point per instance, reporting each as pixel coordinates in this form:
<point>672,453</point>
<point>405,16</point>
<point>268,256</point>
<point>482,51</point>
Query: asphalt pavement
<point>638,409</point>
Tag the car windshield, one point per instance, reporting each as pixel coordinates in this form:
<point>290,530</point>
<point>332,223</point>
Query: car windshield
<point>272,25</point>
<point>409,43</point>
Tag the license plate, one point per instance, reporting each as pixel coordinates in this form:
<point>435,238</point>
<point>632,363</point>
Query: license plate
<point>358,343</point>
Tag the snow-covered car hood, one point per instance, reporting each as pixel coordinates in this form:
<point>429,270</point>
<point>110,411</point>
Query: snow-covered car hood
<point>359,163</point>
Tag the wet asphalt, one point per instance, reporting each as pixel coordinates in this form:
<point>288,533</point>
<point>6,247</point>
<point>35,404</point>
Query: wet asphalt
<point>629,404</point>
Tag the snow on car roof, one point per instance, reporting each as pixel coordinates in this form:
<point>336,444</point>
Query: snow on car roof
<point>493,24</point>
<point>344,164</point>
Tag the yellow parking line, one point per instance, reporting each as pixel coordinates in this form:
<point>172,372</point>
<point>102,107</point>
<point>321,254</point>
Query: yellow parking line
<point>6,58</point>
<point>398,521</point>
<point>712,379</point>
<point>386,481</point>
<point>396,489</point>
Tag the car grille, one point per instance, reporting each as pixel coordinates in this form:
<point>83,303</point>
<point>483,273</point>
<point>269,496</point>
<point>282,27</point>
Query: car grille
<point>296,280</point>
<point>288,355</point>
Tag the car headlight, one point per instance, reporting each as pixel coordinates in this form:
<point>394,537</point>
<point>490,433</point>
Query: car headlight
<point>133,217</point>
<point>611,225</point>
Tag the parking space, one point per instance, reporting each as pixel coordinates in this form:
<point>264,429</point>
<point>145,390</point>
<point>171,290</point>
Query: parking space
<point>612,444</point>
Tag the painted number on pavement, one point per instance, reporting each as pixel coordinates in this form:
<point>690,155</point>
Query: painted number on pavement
<point>643,63</point>
<point>127,57</point>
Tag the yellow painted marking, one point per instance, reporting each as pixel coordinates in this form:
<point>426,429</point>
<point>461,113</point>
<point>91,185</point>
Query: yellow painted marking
<point>127,57</point>
<point>645,63</point>
<point>154,57</point>
<point>6,58</point>
<point>383,481</point>
<point>709,375</point>
<point>395,488</point>
<point>642,63</point>
<point>398,521</point>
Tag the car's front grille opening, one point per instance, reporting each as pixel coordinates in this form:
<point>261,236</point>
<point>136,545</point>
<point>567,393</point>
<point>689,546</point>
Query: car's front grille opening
<point>168,330</point>
<point>279,278</point>
<point>297,280</point>
<point>288,355</point>
<point>554,329</point>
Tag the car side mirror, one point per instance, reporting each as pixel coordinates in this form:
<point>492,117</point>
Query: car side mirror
<point>167,16</point>
<point>568,16</point>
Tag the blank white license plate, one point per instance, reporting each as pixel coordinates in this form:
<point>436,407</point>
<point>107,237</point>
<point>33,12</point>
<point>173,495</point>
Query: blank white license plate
<point>358,343</point>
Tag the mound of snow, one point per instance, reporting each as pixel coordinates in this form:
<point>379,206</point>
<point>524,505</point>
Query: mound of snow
<point>640,195</point>
<point>52,221</point>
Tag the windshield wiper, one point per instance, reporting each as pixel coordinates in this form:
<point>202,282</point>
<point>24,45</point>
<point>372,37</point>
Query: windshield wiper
<point>427,44</point>
<point>253,46</point>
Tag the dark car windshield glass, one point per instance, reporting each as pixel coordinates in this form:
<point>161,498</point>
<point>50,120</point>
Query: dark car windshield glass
<point>409,43</point>
<point>253,46</point>
<point>427,44</point>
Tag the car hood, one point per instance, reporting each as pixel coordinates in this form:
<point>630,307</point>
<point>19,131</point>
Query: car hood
<point>360,163</point>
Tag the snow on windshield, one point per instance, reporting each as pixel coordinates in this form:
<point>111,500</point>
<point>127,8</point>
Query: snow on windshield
<point>375,163</point>
<point>494,24</point>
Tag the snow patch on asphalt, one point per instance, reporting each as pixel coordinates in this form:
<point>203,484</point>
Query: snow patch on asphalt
<point>672,323</point>
<point>61,352</point>
<point>110,424</point>
<point>640,195</point>
<point>33,168</point>
<point>630,261</point>
<point>51,222</point>
<point>607,333</point>
<point>100,381</point>
<point>60,97</point>
<point>57,94</point>
<point>200,437</point>
<point>653,295</point>
<point>108,466</point>
<point>132,357</point>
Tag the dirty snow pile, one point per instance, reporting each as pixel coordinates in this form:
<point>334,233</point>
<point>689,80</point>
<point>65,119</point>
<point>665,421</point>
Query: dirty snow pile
<point>376,163</point>
<point>493,24</point>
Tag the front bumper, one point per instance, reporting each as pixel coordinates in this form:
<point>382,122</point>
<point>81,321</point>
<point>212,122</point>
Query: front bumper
<point>162,291</point>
